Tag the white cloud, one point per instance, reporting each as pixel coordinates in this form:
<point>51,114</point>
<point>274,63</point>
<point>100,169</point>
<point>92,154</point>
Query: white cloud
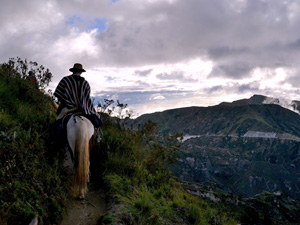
<point>157,97</point>
<point>173,52</point>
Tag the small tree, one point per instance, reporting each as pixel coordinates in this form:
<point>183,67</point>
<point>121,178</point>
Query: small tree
<point>21,68</point>
<point>120,110</point>
<point>104,107</point>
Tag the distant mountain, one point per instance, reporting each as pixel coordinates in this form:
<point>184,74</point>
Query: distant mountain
<point>245,147</point>
<point>227,118</point>
<point>292,105</point>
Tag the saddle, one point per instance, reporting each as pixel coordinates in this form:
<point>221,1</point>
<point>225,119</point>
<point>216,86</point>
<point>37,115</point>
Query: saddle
<point>58,131</point>
<point>66,112</point>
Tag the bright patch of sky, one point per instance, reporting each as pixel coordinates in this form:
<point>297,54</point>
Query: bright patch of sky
<point>88,24</point>
<point>99,24</point>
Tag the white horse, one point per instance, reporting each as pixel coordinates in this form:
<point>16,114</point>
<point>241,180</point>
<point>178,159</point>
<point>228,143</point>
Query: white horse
<point>79,133</point>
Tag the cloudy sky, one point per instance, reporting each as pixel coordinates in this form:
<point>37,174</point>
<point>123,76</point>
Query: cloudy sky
<point>161,54</point>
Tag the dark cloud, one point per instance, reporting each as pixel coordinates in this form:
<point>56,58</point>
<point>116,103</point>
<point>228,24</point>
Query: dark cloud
<point>170,76</point>
<point>186,29</point>
<point>143,33</point>
<point>294,80</point>
<point>236,70</point>
<point>143,73</point>
<point>175,75</point>
<point>294,45</point>
<point>247,88</point>
<point>225,52</point>
<point>214,89</point>
<point>233,88</point>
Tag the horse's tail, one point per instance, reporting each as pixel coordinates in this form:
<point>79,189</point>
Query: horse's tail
<point>81,166</point>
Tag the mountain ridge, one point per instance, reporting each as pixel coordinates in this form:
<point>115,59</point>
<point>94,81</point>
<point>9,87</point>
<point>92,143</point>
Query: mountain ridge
<point>292,105</point>
<point>227,119</point>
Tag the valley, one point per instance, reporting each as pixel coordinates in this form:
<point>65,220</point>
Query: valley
<point>244,154</point>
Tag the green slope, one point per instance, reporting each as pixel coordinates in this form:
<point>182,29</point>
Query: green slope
<point>31,182</point>
<point>225,119</point>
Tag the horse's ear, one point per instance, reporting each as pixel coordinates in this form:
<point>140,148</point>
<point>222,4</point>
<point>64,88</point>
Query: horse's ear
<point>55,105</point>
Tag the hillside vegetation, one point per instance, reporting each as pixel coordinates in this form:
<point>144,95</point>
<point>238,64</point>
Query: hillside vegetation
<point>131,164</point>
<point>31,182</point>
<point>140,187</point>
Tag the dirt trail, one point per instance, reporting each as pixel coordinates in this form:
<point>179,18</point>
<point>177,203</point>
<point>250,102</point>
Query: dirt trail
<point>87,211</point>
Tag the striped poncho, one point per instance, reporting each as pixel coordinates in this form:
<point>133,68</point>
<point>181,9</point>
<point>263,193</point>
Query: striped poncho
<point>74,91</point>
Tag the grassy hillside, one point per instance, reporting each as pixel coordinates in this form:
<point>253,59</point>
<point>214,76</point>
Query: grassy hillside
<point>31,182</point>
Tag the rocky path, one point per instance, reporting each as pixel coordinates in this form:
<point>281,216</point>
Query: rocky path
<point>87,211</point>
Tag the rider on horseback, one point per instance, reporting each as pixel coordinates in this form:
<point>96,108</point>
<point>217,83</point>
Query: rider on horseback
<point>73,93</point>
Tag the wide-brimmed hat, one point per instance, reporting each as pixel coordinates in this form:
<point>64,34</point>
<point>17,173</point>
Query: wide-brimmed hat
<point>77,68</point>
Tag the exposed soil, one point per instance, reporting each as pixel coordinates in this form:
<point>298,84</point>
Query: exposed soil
<point>87,211</point>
